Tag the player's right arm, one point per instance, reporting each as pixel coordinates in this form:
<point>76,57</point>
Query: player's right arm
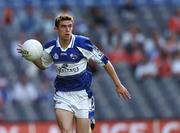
<point>38,63</point>
<point>42,63</point>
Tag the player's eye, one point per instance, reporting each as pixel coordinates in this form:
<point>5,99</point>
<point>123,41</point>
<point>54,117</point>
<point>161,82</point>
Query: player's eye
<point>70,26</point>
<point>63,26</point>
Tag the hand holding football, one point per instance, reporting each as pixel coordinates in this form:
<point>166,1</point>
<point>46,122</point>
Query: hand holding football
<point>32,50</point>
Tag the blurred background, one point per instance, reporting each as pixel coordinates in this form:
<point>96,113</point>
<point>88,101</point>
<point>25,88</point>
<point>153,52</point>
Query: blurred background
<point>140,37</point>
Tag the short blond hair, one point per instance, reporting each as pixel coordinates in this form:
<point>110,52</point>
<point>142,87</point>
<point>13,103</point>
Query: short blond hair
<point>62,18</point>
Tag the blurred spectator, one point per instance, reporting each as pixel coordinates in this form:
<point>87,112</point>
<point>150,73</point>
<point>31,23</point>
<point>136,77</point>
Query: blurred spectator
<point>129,10</point>
<point>146,68</point>
<point>81,27</point>
<point>65,9</point>
<point>129,48</point>
<point>8,25</point>
<point>132,38</point>
<point>30,19</point>
<point>136,56</point>
<point>153,44</point>
<point>172,44</point>
<point>41,36</point>
<point>176,65</point>
<point>163,61</point>
<point>47,26</point>
<point>8,16</point>
<point>98,35</point>
<point>114,39</point>
<point>24,91</point>
<point>174,22</point>
<point>98,16</point>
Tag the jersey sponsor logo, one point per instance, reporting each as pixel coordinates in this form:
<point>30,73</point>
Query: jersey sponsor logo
<point>64,68</point>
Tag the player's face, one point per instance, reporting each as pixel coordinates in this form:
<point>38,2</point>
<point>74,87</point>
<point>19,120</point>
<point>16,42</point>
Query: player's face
<point>64,29</point>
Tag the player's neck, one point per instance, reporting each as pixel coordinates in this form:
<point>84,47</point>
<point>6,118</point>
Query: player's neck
<point>64,42</point>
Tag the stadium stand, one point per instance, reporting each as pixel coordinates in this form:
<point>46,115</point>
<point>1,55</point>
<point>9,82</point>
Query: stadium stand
<point>105,22</point>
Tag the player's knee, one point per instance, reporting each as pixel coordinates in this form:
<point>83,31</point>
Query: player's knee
<point>65,129</point>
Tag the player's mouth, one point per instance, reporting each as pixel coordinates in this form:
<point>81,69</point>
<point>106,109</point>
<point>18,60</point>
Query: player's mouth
<point>67,35</point>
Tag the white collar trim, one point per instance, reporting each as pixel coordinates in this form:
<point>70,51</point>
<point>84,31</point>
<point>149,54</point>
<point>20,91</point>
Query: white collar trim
<point>70,45</point>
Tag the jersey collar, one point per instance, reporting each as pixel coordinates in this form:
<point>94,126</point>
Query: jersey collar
<point>71,44</point>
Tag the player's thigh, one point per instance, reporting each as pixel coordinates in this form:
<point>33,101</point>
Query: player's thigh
<point>64,119</point>
<point>83,125</point>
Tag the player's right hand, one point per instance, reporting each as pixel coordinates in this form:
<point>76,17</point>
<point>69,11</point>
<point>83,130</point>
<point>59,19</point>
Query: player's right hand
<point>24,53</point>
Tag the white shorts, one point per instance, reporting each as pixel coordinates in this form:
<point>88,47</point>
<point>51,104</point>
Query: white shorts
<point>77,102</point>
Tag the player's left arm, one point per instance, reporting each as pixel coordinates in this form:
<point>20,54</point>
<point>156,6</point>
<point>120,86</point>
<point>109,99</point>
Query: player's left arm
<point>120,89</point>
<point>91,52</point>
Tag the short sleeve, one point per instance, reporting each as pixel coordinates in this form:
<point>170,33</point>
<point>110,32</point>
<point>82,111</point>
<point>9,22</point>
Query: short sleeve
<point>46,59</point>
<point>90,51</point>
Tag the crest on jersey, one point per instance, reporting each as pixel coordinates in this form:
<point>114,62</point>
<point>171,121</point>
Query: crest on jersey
<point>73,56</point>
<point>56,56</point>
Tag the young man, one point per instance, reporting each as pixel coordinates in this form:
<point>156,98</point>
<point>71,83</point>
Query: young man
<point>70,54</point>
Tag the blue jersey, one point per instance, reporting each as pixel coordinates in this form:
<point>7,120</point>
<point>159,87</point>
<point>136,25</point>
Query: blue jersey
<point>71,63</point>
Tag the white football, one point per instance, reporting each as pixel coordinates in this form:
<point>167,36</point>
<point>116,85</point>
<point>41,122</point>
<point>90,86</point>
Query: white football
<point>34,48</point>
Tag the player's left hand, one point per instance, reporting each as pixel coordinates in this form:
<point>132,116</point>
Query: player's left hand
<point>122,91</point>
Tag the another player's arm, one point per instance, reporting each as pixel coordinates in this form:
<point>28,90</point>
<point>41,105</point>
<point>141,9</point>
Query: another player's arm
<point>120,89</point>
